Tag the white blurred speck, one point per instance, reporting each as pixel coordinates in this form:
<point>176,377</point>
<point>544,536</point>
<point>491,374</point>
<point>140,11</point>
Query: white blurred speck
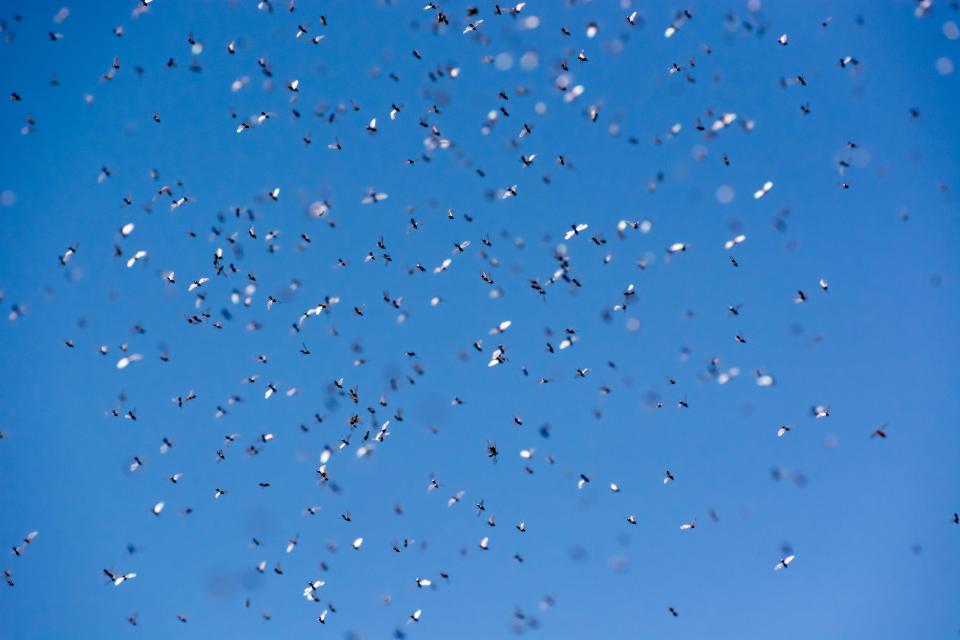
<point>944,66</point>
<point>529,61</point>
<point>951,30</point>
<point>725,194</point>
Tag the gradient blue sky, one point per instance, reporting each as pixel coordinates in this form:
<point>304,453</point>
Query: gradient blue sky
<point>870,521</point>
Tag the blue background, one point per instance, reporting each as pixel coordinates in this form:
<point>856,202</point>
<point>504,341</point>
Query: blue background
<point>868,519</point>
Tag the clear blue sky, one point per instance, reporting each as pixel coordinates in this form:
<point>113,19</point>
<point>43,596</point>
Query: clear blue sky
<point>868,519</point>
